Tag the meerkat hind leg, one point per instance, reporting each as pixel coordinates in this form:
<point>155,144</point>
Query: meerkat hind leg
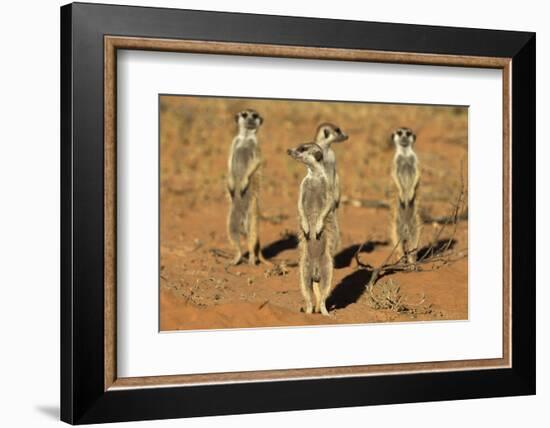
<point>317,295</point>
<point>411,256</point>
<point>412,251</point>
<point>337,239</point>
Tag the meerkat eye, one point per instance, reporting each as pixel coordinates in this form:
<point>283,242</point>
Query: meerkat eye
<point>338,131</point>
<point>254,115</point>
<point>408,133</point>
<point>399,132</point>
<point>244,114</point>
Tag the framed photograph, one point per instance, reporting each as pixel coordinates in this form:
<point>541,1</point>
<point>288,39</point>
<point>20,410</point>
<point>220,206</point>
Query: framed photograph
<point>266,213</point>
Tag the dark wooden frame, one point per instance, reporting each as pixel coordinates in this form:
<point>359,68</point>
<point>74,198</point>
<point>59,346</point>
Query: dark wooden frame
<point>90,35</point>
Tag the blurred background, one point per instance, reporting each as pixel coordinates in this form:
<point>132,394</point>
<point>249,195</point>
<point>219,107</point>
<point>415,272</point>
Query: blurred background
<point>196,132</point>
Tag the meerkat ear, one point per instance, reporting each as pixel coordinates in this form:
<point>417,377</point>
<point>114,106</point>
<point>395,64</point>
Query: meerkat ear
<point>413,137</point>
<point>318,156</point>
<point>326,132</point>
<point>237,117</point>
<point>261,120</point>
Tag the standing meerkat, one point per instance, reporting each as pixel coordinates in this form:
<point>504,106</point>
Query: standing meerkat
<point>406,175</point>
<point>316,219</point>
<point>326,134</point>
<point>243,184</point>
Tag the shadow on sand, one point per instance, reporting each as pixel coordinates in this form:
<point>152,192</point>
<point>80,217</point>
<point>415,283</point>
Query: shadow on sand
<point>349,290</point>
<point>288,242</point>
<point>343,258</point>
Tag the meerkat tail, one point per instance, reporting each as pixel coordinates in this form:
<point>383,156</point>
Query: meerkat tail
<point>325,284</point>
<point>234,234</point>
<point>305,287</point>
<point>252,232</point>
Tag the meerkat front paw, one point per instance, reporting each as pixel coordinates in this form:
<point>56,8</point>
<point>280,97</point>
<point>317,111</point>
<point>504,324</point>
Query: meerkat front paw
<point>231,192</point>
<point>318,230</point>
<point>244,188</point>
<point>305,231</point>
<point>231,186</point>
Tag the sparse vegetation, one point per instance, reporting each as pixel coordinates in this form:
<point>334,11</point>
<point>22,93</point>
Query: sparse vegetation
<point>387,295</point>
<point>199,291</point>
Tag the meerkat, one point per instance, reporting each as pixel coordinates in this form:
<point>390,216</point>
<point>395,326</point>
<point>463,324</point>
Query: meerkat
<point>327,134</point>
<point>406,175</point>
<point>316,220</point>
<point>243,185</point>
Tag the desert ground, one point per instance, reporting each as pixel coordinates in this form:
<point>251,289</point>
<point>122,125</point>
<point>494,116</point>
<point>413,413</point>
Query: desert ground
<point>197,288</point>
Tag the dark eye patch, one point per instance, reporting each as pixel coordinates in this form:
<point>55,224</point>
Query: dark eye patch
<point>244,114</point>
<point>338,131</point>
<point>318,156</point>
<point>408,133</point>
<point>399,132</point>
<point>254,115</point>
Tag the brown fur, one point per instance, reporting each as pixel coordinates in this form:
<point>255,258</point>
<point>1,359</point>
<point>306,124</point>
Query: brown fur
<point>406,176</point>
<point>406,228</point>
<point>317,229</point>
<point>316,267</point>
<point>243,184</point>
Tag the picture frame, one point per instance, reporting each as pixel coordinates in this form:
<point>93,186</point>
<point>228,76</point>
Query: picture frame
<point>91,35</point>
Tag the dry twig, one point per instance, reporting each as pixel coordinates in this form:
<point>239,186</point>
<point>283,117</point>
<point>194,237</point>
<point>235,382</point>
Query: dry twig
<point>439,252</point>
<point>366,203</point>
<point>274,219</point>
<point>388,296</point>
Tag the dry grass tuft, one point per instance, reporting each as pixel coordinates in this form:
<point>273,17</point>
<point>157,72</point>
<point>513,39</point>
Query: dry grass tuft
<point>387,295</point>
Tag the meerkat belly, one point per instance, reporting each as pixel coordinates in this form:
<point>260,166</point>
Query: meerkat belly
<point>314,202</point>
<point>406,173</point>
<point>406,217</point>
<point>242,157</point>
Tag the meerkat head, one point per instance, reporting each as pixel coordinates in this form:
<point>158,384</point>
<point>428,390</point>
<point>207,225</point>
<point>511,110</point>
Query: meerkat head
<point>403,137</point>
<point>310,154</point>
<point>248,119</point>
<point>329,133</point>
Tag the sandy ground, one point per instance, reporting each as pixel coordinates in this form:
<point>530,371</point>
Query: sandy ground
<point>198,291</point>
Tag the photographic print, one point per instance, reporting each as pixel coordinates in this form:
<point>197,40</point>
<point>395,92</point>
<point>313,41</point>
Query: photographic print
<point>304,181</point>
<point>295,213</point>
